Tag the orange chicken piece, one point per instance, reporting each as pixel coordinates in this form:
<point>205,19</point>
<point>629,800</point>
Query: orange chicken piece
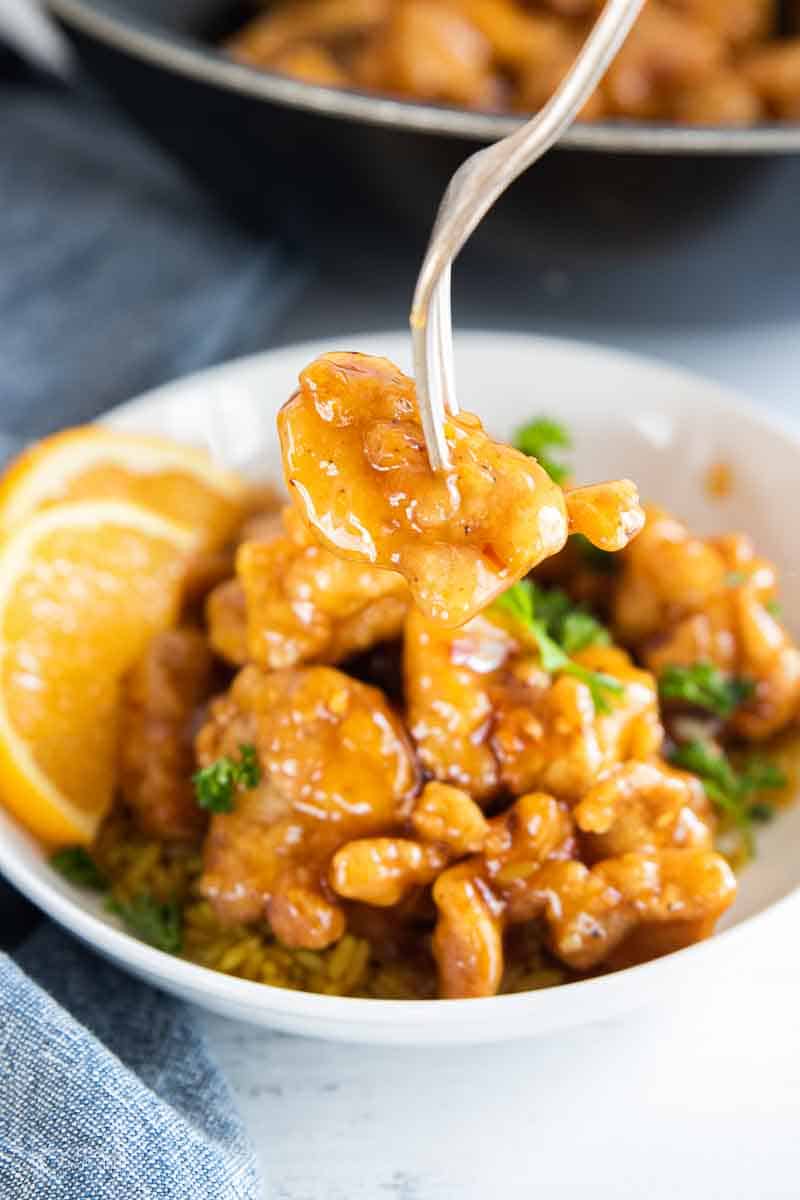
<point>336,765</point>
<point>355,464</point>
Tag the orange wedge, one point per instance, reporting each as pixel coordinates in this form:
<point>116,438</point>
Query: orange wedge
<point>83,587</point>
<point>181,483</point>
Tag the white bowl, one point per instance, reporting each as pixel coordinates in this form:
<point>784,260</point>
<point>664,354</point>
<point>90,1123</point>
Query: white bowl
<point>629,417</point>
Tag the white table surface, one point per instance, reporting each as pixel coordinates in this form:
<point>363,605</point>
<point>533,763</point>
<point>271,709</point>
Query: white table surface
<point>697,1102</point>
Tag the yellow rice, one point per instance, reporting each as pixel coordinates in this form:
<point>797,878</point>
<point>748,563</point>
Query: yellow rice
<point>136,865</point>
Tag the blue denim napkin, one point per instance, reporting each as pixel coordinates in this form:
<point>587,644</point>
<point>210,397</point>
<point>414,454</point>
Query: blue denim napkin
<point>107,1088</point>
<point>115,275</point>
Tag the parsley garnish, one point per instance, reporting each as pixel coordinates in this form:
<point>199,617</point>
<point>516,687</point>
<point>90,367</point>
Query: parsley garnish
<point>761,775</point>
<point>567,623</point>
<point>731,790</point>
<point>158,924</point>
<point>538,439</point>
<point>580,629</point>
<point>78,866</point>
<point>774,609</point>
<point>560,629</point>
<point>215,784</point>
<point>704,686</point>
<point>602,562</point>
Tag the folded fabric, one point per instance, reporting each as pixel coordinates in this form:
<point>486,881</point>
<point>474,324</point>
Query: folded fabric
<point>117,274</point>
<point>108,1092</point>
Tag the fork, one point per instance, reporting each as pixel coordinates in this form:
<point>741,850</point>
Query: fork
<point>472,191</point>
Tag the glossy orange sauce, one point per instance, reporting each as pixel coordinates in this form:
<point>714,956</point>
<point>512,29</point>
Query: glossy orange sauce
<point>356,467</point>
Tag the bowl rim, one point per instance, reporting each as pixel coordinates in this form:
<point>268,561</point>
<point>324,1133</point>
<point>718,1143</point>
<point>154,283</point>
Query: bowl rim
<point>244,994</point>
<point>189,57</point>
<point>622,988</point>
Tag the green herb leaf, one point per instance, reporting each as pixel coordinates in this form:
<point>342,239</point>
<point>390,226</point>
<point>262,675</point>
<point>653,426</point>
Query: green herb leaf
<point>215,785</point>
<point>568,623</point>
<point>571,626</point>
<point>560,629</point>
<point>761,775</point>
<point>552,657</point>
<point>774,609</point>
<point>517,602</point>
<point>728,789</point>
<point>602,562</point>
<point>78,866</point>
<point>706,760</point>
<point>249,769</point>
<point>721,784</point>
<point>551,606</point>
<point>704,686</point>
<point>580,629</point>
<point>539,438</point>
<point>758,774</point>
<point>158,924</point>
<point>735,579</point>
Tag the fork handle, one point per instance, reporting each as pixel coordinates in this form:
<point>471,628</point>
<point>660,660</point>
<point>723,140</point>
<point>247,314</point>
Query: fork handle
<point>472,191</point>
<point>484,176</point>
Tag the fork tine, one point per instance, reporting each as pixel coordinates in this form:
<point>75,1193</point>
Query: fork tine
<point>429,396</point>
<point>444,320</point>
<point>436,386</point>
